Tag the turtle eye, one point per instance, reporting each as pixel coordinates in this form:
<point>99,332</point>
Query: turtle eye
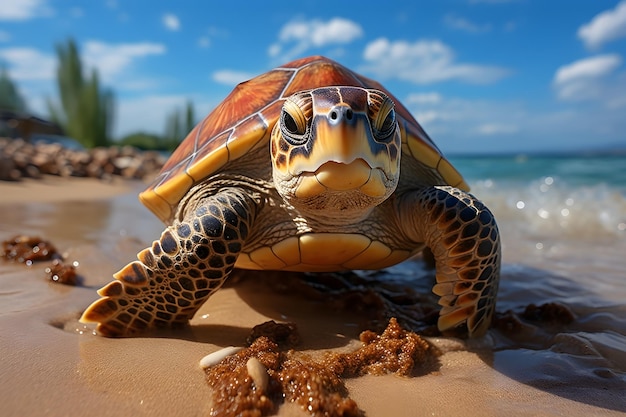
<point>383,116</point>
<point>388,124</point>
<point>293,122</point>
<point>290,124</point>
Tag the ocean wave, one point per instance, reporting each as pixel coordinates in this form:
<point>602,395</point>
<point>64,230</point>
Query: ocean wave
<point>552,207</point>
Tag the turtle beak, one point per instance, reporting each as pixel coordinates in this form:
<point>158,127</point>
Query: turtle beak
<point>343,156</point>
<point>341,137</point>
<point>338,151</point>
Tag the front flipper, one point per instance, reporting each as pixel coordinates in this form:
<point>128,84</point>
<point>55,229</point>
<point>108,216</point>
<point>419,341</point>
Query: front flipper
<point>173,278</point>
<point>463,236</point>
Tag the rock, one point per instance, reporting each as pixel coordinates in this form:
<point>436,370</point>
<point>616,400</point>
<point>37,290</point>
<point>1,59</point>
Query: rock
<point>19,159</point>
<point>8,171</point>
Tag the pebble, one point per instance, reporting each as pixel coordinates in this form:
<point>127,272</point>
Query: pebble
<point>258,373</point>
<point>20,159</point>
<point>216,357</point>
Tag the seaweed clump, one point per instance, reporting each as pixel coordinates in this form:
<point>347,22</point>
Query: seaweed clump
<point>30,249</point>
<point>256,380</point>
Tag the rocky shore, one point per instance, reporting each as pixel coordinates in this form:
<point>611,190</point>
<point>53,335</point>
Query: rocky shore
<point>20,159</point>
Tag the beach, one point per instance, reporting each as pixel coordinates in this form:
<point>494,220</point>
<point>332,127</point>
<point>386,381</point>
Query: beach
<point>55,366</point>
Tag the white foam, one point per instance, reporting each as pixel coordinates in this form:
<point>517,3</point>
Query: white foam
<point>549,207</point>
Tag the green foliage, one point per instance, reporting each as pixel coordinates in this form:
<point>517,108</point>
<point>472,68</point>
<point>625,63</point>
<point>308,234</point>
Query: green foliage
<point>178,125</point>
<point>144,141</point>
<point>10,98</point>
<point>86,110</point>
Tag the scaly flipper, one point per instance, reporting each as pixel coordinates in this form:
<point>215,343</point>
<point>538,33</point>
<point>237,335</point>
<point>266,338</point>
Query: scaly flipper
<point>463,236</point>
<point>173,278</point>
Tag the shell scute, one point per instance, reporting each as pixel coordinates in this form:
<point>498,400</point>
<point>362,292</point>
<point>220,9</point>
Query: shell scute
<point>209,160</point>
<point>253,131</point>
<point>245,100</point>
<point>233,128</point>
<point>322,74</point>
<point>244,120</point>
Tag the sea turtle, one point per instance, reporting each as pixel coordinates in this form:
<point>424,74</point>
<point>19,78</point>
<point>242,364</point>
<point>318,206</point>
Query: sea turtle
<point>308,167</point>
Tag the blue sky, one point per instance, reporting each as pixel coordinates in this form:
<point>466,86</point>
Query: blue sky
<point>479,75</point>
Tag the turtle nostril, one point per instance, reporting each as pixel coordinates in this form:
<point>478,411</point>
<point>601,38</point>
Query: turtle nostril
<point>341,114</point>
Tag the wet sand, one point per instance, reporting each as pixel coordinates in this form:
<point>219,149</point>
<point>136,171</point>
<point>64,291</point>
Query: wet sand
<point>52,365</point>
<point>52,189</point>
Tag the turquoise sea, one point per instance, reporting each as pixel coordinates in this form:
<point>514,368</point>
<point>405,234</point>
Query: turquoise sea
<point>555,200</point>
<point>562,220</point>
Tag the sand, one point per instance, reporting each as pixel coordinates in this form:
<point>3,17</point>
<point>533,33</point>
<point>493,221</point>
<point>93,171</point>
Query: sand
<point>52,365</point>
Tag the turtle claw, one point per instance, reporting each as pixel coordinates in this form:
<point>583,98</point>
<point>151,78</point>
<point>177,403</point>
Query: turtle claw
<point>463,236</point>
<point>177,274</point>
<point>112,289</point>
<point>141,298</point>
<point>135,273</point>
<point>99,311</point>
<point>120,311</point>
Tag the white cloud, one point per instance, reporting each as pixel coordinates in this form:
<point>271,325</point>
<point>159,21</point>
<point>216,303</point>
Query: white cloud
<point>211,36</point>
<point>274,49</point>
<point>424,98</point>
<point>28,64</point>
<point>604,27</point>
<point>302,35</point>
<point>113,60</point>
<point>461,23</point>
<point>230,77</point>
<point>585,79</point>
<point>489,129</point>
<point>461,125</point>
<point>171,22</point>
<point>426,118</point>
<point>474,115</point>
<point>596,66</point>
<point>4,36</point>
<point>24,9</point>
<point>204,42</point>
<point>424,62</point>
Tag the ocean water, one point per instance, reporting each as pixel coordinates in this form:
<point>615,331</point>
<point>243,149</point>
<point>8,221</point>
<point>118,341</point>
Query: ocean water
<point>571,208</point>
<point>563,226</point>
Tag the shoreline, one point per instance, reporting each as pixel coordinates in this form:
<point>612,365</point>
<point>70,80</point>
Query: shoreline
<point>49,368</point>
<point>55,189</point>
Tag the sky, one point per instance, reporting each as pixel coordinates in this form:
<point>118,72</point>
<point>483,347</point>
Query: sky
<point>481,76</point>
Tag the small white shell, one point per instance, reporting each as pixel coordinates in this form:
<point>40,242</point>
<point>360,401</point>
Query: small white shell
<point>258,373</point>
<point>216,357</point>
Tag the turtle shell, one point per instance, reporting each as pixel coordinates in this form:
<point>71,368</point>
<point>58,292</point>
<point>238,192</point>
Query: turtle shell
<point>244,120</point>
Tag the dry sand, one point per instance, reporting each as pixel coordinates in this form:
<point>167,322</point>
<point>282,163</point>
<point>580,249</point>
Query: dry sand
<point>49,368</point>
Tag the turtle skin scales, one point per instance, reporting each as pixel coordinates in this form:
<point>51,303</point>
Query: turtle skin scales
<point>309,167</point>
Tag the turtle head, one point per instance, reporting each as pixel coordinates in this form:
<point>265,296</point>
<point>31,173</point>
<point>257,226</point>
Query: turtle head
<point>336,148</point>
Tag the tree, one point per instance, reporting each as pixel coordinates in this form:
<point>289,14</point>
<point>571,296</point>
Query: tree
<point>144,141</point>
<point>179,125</point>
<point>86,109</point>
<point>10,97</point>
